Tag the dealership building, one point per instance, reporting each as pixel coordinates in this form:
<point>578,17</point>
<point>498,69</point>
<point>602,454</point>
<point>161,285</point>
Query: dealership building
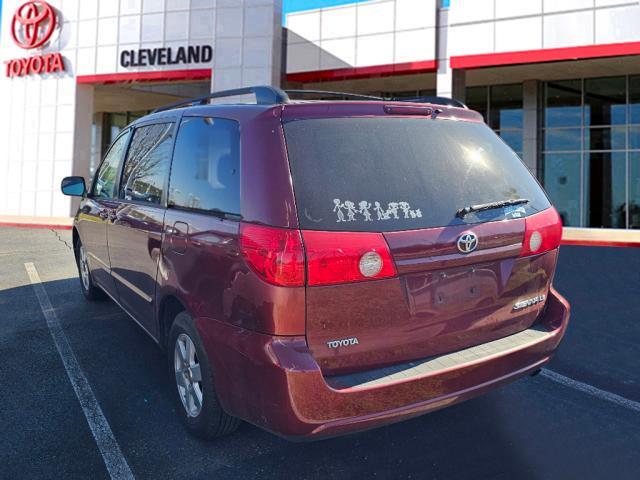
<point>558,80</point>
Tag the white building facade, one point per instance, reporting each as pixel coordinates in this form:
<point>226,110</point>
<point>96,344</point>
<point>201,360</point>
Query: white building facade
<point>558,80</point>
<point>119,56</point>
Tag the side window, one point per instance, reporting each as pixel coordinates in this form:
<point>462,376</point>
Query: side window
<point>104,185</point>
<point>147,164</point>
<point>206,166</point>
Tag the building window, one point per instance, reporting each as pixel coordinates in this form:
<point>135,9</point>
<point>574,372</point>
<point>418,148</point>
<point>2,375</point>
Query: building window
<point>407,94</point>
<point>591,148</point>
<point>113,124</point>
<point>501,107</point>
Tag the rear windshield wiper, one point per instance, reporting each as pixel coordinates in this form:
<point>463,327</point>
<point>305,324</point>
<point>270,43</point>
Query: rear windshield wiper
<point>462,212</point>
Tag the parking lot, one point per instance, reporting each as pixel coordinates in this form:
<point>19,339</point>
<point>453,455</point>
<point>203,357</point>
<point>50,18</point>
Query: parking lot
<point>579,419</point>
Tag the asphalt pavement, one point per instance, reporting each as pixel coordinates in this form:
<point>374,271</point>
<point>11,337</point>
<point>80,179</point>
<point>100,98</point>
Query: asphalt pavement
<point>534,428</point>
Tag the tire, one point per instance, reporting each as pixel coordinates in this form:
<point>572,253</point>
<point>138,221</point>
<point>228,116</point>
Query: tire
<point>195,393</point>
<point>89,289</point>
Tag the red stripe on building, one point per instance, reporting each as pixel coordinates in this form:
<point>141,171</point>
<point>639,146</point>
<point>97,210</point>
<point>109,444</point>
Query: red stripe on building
<point>600,243</point>
<point>427,66</point>
<point>546,55</point>
<point>155,76</point>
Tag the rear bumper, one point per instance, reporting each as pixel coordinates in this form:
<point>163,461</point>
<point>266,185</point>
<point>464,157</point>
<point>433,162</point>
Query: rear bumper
<point>275,383</point>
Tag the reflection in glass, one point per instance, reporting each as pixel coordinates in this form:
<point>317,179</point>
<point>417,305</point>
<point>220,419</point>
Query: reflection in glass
<point>206,166</point>
<point>404,94</point>
<point>605,101</point>
<point>634,99</point>
<point>605,190</point>
<point>562,183</point>
<point>105,183</point>
<point>147,165</point>
<point>563,104</point>
<point>506,107</point>
<point>564,139</point>
<point>613,138</point>
<point>477,99</point>
<point>634,138</point>
<point>513,138</point>
<point>634,190</point>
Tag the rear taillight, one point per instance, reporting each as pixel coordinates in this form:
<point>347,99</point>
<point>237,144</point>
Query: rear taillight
<point>543,232</point>
<point>340,257</point>
<point>276,254</point>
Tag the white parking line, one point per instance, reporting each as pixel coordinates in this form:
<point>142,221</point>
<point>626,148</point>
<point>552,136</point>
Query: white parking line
<point>114,460</point>
<point>591,390</point>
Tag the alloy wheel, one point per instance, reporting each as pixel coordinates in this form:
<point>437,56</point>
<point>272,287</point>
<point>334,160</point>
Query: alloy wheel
<point>84,268</point>
<point>188,375</point>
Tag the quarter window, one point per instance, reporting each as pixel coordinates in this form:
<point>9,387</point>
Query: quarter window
<point>205,174</point>
<point>105,184</point>
<point>147,165</point>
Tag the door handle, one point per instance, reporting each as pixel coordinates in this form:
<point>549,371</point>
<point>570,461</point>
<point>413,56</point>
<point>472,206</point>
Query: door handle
<point>178,236</point>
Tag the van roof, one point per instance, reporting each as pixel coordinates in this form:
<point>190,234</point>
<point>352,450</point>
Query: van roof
<point>268,95</point>
<point>329,104</point>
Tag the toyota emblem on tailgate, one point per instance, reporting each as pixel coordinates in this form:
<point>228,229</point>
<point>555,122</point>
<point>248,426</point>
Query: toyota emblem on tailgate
<point>467,242</point>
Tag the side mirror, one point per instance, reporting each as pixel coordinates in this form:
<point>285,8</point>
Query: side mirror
<point>73,186</point>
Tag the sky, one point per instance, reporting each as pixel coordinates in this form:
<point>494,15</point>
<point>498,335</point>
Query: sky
<point>299,5</point>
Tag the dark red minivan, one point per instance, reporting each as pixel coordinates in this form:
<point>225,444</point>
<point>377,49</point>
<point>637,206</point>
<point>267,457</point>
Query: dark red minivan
<point>323,267</point>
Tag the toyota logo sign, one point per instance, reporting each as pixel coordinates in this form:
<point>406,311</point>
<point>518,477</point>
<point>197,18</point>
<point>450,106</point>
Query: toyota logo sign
<point>33,24</point>
<point>467,242</point>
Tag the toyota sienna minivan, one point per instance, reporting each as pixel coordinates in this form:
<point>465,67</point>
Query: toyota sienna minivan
<point>323,267</point>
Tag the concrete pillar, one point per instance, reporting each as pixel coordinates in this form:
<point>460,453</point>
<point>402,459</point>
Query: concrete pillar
<point>248,45</point>
<point>449,83</point>
<point>530,106</point>
<point>83,122</point>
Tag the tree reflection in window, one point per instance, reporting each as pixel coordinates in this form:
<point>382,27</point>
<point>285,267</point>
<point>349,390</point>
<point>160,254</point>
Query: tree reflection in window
<point>147,165</point>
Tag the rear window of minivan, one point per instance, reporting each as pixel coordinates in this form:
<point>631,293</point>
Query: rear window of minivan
<point>390,174</point>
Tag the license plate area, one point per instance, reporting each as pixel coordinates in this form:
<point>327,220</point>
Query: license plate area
<point>452,290</point>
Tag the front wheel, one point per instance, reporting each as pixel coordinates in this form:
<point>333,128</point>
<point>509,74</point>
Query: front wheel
<point>89,289</point>
<point>196,396</point>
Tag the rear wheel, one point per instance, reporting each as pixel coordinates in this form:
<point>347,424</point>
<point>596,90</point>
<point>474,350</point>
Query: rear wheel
<point>196,396</point>
<point>89,289</point>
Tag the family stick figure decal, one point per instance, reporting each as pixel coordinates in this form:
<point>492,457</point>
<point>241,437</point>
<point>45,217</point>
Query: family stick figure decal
<point>392,212</point>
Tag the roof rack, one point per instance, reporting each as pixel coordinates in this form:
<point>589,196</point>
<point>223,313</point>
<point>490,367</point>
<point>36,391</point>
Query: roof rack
<point>350,96</point>
<point>265,95</point>
<point>449,102</point>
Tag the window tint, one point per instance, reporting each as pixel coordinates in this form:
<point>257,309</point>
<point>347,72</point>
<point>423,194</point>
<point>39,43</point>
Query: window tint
<point>105,183</point>
<point>147,164</point>
<point>386,174</point>
<point>206,166</point>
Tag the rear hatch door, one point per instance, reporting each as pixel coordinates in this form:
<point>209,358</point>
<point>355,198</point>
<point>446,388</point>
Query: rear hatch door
<point>404,179</point>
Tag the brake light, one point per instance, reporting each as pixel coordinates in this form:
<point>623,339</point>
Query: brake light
<point>275,254</point>
<point>543,232</point>
<point>340,257</point>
